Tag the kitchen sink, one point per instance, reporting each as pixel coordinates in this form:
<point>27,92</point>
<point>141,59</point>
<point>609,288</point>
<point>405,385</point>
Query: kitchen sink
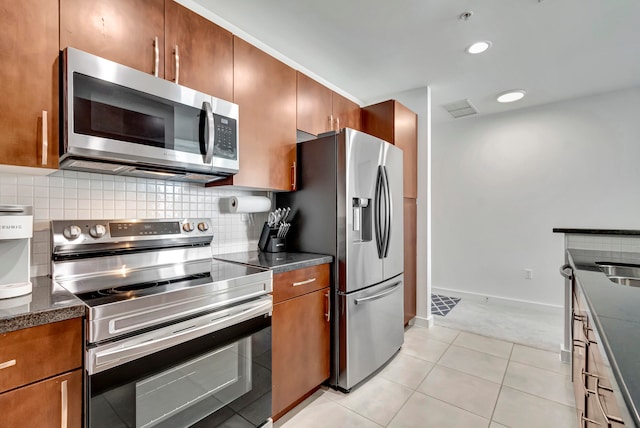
<point>623,274</point>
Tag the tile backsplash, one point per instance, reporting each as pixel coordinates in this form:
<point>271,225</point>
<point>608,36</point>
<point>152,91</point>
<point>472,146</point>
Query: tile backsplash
<point>72,195</point>
<point>616,243</point>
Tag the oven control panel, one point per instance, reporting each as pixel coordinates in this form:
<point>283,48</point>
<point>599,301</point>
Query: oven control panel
<point>89,231</point>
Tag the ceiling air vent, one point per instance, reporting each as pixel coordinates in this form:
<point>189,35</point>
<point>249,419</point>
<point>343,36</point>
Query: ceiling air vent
<point>460,108</point>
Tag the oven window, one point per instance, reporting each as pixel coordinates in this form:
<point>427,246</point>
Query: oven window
<point>229,385</point>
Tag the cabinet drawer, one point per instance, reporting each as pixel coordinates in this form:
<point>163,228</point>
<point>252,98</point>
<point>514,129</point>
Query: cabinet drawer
<point>56,402</point>
<point>36,353</point>
<point>298,282</point>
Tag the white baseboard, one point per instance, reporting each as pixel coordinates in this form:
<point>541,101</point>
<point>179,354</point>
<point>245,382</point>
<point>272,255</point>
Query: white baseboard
<point>422,322</point>
<point>495,299</point>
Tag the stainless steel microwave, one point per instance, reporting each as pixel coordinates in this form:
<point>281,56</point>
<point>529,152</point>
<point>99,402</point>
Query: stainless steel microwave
<point>118,120</point>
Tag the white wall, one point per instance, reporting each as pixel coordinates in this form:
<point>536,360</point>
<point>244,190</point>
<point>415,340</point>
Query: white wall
<point>502,182</point>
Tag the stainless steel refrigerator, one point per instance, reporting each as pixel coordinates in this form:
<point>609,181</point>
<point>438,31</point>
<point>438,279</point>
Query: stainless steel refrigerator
<point>349,205</point>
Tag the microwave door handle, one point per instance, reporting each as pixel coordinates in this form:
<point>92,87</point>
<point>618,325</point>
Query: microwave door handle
<point>209,132</point>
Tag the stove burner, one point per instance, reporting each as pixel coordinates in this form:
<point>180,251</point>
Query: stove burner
<point>142,288</point>
<point>128,288</point>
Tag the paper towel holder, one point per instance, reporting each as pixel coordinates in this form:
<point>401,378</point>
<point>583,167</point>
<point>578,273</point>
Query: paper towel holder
<point>245,204</point>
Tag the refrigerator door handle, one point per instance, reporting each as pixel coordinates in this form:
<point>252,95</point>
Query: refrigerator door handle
<point>388,211</point>
<point>377,216</point>
<point>389,290</point>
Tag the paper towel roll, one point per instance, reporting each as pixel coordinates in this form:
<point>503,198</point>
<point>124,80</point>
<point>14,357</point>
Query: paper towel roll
<point>249,204</point>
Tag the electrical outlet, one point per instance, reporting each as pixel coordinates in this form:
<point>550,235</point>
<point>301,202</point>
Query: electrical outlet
<point>528,274</point>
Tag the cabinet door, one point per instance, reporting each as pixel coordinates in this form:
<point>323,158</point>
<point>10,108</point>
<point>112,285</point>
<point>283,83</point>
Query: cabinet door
<point>314,106</point>
<point>579,362</point>
<point>51,403</point>
<point>204,59</point>
<point>265,90</point>
<point>29,82</point>
<point>26,355</point>
<point>410,241</point>
<point>300,340</point>
<point>406,137</point>
<point>118,30</point>
<point>346,113</point>
<point>287,285</point>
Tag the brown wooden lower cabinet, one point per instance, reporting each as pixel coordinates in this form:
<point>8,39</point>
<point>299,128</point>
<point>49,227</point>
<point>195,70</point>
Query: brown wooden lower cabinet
<point>300,342</point>
<point>55,402</point>
<point>410,242</point>
<point>596,404</point>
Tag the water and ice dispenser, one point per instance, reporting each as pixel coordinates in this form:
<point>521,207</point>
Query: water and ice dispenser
<point>16,231</point>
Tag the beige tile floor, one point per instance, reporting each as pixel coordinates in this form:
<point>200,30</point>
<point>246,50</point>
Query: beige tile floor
<point>448,378</point>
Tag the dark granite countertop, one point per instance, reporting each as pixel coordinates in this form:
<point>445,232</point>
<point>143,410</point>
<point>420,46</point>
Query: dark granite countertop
<point>616,313</point>
<point>44,305</point>
<point>596,231</point>
<point>277,262</point>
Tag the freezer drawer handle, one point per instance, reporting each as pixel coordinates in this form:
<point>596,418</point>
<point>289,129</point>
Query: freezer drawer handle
<point>389,290</point>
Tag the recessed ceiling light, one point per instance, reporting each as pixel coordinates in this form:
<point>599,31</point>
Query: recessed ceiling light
<point>511,96</point>
<point>479,47</point>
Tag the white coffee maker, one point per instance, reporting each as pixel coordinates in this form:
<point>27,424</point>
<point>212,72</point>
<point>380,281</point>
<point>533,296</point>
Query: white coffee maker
<point>16,231</point>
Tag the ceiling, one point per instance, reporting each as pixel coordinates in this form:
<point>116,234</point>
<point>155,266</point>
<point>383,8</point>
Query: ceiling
<point>553,49</point>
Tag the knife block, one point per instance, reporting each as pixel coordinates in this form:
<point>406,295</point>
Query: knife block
<point>269,241</point>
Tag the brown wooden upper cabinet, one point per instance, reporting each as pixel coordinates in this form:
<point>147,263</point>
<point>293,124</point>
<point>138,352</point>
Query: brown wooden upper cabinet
<point>398,125</point>
<point>154,36</point>
<point>265,90</point>
<point>29,83</point>
<point>123,31</point>
<point>345,112</point>
<point>320,109</point>
<point>198,53</point>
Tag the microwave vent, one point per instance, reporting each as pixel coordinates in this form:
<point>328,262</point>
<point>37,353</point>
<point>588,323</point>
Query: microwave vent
<point>461,108</point>
<point>96,166</point>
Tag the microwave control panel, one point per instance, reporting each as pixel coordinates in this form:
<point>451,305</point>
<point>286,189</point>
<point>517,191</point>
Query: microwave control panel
<point>225,144</point>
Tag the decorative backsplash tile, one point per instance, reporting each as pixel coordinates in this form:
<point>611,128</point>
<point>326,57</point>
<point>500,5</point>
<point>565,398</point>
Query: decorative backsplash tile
<point>629,243</point>
<point>68,195</point>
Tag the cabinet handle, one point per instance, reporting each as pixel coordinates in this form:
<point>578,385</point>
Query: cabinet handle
<point>607,417</point>
<point>294,178</point>
<point>338,123</point>
<point>583,421</point>
<point>65,404</point>
<point>156,56</point>
<point>308,281</point>
<point>177,55</point>
<point>45,137</point>
<point>579,343</point>
<point>328,314</point>
<point>7,364</point>
<point>330,122</point>
<point>585,331</point>
<point>579,317</point>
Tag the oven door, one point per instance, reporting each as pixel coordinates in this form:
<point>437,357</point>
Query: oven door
<point>221,378</point>
<point>115,113</point>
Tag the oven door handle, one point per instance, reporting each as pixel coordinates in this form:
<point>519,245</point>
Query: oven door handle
<point>100,359</point>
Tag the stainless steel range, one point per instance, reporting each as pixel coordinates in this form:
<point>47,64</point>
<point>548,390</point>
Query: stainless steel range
<point>173,338</point>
